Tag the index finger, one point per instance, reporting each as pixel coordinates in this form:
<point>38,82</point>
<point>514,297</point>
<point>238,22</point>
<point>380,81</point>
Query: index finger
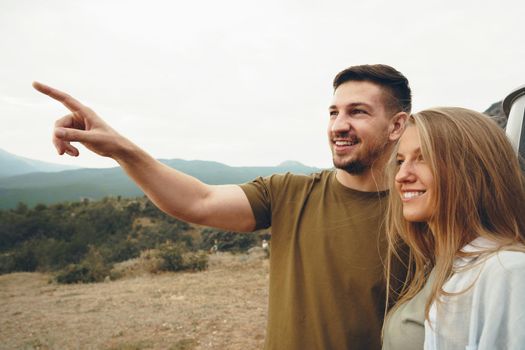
<point>71,103</point>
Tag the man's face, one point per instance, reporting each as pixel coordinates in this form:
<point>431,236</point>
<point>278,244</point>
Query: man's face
<point>358,127</point>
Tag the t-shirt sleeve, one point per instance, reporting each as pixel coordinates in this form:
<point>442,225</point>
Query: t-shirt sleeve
<point>270,194</point>
<point>258,193</point>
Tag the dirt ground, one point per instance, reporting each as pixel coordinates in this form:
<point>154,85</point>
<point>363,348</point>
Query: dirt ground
<point>221,308</point>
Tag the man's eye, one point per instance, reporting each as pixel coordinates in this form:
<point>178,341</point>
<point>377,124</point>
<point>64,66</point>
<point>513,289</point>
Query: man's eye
<point>358,111</point>
<point>333,113</point>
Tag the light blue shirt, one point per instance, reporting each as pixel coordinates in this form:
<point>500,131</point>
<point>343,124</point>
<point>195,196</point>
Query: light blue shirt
<point>489,312</point>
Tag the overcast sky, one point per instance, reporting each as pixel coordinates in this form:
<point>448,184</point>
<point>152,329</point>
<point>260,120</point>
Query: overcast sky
<point>238,81</point>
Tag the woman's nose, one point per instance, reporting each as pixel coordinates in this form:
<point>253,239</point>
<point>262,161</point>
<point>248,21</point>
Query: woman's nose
<point>405,173</point>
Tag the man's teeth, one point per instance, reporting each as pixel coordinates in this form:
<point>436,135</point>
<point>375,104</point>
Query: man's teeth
<point>345,143</point>
<point>408,195</point>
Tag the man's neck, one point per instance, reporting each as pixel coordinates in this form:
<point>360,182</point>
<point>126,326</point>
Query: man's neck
<point>369,181</point>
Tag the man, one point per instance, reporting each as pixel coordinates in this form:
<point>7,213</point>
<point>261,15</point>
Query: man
<point>326,269</point>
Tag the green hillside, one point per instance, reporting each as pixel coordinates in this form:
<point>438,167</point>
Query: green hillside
<point>75,185</point>
<point>81,241</point>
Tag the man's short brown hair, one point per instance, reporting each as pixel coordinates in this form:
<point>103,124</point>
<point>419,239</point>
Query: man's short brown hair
<point>394,84</point>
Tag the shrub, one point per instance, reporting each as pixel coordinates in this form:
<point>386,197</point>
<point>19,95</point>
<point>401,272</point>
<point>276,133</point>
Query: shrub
<point>157,232</point>
<point>195,261</point>
<point>24,259</point>
<point>121,250</point>
<point>6,263</point>
<point>74,273</point>
<point>51,253</point>
<point>229,241</point>
<point>175,257</point>
<point>151,261</point>
<point>92,269</point>
<point>171,255</point>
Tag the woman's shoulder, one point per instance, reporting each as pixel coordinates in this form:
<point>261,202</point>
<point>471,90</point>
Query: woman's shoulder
<point>505,262</point>
<point>508,258</point>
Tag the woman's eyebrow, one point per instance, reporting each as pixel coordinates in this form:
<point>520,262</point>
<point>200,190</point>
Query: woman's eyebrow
<point>416,151</point>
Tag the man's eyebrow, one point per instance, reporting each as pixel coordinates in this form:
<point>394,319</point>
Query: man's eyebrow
<point>352,105</point>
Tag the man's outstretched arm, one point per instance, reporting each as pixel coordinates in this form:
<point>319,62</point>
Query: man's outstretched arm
<point>174,192</point>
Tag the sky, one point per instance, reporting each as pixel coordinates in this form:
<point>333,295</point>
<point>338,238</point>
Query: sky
<point>242,82</point>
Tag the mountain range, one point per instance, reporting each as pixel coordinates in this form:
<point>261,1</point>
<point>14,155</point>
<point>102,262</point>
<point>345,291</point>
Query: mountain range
<point>11,165</point>
<point>35,183</point>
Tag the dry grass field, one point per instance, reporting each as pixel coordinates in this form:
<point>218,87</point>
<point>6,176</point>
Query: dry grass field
<point>221,308</point>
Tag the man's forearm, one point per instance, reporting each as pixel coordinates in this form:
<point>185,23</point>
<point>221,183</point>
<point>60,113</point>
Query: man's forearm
<point>174,192</point>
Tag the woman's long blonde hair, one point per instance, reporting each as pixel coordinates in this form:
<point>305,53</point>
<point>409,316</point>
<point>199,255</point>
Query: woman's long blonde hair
<point>479,191</point>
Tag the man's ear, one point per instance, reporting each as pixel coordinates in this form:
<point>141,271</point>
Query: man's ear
<point>397,126</point>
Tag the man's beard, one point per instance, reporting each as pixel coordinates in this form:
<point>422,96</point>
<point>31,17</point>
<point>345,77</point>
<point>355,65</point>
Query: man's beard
<point>354,167</point>
<point>364,162</point>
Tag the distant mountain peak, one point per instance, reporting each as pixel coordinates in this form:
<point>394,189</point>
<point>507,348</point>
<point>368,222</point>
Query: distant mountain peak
<point>12,164</point>
<point>291,163</point>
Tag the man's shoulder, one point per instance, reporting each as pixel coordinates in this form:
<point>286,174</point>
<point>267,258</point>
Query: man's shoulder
<point>291,179</point>
<point>325,173</point>
<point>279,185</point>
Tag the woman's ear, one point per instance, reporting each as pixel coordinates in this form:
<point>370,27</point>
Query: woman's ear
<point>397,126</point>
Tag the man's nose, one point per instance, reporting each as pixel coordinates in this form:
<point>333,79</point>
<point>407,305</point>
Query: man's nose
<point>341,124</point>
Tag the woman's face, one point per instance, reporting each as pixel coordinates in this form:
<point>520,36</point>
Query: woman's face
<point>414,181</point>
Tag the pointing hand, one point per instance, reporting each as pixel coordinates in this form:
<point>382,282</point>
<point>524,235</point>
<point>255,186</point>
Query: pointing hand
<point>81,125</point>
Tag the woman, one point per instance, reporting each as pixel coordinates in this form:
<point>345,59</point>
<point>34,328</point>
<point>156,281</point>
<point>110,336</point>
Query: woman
<point>458,202</point>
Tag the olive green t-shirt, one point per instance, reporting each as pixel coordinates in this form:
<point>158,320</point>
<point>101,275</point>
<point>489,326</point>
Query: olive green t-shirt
<point>326,270</point>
